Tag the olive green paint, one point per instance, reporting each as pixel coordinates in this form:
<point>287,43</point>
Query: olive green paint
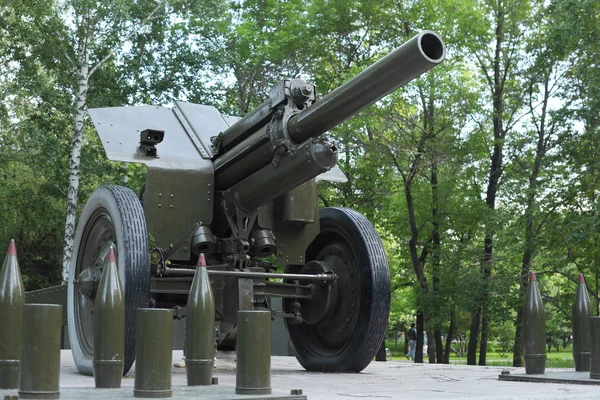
<point>253,362</point>
<point>415,57</point>
<point>109,328</point>
<point>582,311</point>
<point>595,347</point>
<point>153,353</point>
<point>200,330</point>
<point>12,299</point>
<point>534,330</point>
<point>40,354</point>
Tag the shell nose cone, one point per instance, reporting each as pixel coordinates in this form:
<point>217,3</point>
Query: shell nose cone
<point>201,261</point>
<point>12,249</point>
<point>111,255</point>
<point>581,278</point>
<point>532,277</point>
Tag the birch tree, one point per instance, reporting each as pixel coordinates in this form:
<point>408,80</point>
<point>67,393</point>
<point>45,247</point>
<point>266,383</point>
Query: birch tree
<point>100,32</point>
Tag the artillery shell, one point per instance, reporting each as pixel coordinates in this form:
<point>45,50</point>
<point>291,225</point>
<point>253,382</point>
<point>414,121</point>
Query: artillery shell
<point>12,299</point>
<point>200,328</point>
<point>594,347</point>
<point>40,355</point>
<point>109,327</point>
<point>253,365</point>
<point>154,353</point>
<point>582,311</point>
<point>534,329</point>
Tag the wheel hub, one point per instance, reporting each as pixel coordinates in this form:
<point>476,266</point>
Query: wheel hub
<point>87,282</point>
<point>324,299</point>
<point>338,328</point>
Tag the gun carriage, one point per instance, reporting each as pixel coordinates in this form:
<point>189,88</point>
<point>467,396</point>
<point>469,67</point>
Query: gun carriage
<point>244,192</point>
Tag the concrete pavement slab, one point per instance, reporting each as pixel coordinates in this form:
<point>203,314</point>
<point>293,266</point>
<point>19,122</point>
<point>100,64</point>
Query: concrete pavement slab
<point>380,380</point>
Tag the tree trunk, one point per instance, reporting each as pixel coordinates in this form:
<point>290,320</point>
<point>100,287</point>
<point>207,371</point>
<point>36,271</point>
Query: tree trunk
<point>419,349</point>
<point>481,314</point>
<point>436,263</point>
<point>473,336</point>
<point>518,346</point>
<point>75,158</point>
<point>530,244</point>
<point>431,347</point>
<point>484,331</point>
<point>439,346</point>
<point>450,338</point>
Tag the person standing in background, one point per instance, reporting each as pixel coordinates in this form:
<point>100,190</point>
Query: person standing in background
<point>412,342</point>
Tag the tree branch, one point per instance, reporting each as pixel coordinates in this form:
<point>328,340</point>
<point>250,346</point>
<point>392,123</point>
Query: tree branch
<point>112,52</point>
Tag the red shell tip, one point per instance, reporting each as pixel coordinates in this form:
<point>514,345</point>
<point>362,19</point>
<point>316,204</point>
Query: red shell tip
<point>532,277</point>
<point>581,278</point>
<point>111,255</point>
<point>12,249</point>
<point>201,261</point>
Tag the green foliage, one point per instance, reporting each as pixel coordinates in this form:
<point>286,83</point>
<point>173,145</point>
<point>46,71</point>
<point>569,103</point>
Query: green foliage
<point>230,53</point>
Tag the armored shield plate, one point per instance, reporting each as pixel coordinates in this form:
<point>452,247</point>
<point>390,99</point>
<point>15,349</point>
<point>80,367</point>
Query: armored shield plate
<point>180,178</point>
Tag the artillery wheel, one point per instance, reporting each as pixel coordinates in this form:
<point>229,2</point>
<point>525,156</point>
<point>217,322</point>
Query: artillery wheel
<point>349,336</point>
<point>112,216</point>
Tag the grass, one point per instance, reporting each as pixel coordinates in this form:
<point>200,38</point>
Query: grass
<point>555,359</point>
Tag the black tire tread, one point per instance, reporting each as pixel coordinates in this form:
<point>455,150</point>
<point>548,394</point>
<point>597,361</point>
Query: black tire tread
<point>380,306</point>
<point>137,263</point>
<point>375,298</point>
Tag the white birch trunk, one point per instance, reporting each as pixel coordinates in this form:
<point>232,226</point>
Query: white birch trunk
<point>75,159</point>
<point>84,73</point>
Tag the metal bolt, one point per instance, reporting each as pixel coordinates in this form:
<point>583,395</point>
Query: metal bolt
<point>171,206</point>
<point>160,195</point>
<point>171,195</point>
<point>160,205</point>
<point>306,89</point>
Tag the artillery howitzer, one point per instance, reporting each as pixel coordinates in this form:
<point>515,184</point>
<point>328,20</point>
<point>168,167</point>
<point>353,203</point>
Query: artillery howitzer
<point>239,192</point>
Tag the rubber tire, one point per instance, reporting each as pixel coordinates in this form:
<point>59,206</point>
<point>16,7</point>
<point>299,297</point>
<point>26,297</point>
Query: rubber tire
<point>375,295</point>
<point>133,262</point>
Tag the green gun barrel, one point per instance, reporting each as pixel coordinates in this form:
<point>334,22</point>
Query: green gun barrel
<point>200,328</point>
<point>154,353</point>
<point>247,146</point>
<point>40,354</point>
<point>12,299</point>
<point>109,327</point>
<point>253,348</point>
<point>534,329</point>
<point>582,311</point>
<point>413,58</point>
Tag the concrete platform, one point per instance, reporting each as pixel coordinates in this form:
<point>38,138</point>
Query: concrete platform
<point>381,380</point>
<point>571,377</point>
